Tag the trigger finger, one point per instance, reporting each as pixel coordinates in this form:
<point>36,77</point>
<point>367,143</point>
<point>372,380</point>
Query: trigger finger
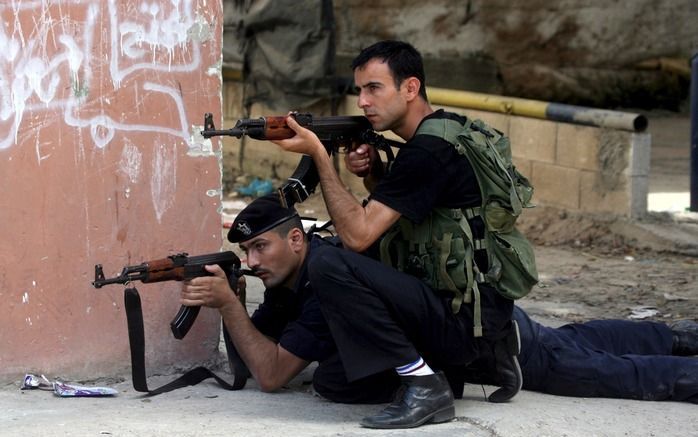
<point>361,149</point>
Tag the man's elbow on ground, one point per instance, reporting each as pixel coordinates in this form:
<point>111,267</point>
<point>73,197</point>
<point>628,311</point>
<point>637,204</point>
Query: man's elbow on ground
<point>272,382</point>
<point>269,386</point>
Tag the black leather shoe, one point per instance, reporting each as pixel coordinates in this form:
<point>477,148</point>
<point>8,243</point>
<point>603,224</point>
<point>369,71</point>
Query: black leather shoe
<point>685,334</point>
<point>419,400</point>
<point>507,366</point>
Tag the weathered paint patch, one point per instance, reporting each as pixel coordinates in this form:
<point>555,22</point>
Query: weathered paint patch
<point>163,181</point>
<point>198,145</point>
<point>131,162</point>
<point>200,31</point>
<point>216,69</point>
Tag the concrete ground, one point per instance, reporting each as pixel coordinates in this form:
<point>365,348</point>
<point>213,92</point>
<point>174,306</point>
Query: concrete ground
<point>207,410</point>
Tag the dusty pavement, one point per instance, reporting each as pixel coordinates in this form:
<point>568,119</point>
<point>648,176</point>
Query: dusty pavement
<point>590,267</point>
<point>208,410</point>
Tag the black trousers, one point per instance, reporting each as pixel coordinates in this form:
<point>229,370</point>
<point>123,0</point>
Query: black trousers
<point>605,358</point>
<point>381,319</point>
<point>330,381</point>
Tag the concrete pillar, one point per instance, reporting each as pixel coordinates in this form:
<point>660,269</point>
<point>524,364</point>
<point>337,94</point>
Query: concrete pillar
<point>101,103</point>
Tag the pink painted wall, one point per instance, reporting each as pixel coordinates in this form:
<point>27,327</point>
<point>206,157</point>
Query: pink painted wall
<point>101,103</point>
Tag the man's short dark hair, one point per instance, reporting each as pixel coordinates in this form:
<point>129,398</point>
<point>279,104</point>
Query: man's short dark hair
<point>294,222</point>
<point>402,58</point>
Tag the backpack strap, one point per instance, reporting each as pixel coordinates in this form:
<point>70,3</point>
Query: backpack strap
<point>474,276</point>
<point>384,246</point>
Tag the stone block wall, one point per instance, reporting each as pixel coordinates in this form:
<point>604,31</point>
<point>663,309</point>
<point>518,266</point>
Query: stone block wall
<point>573,167</point>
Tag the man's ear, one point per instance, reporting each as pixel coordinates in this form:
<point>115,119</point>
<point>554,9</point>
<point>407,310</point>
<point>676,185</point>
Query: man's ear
<point>296,238</point>
<point>411,85</point>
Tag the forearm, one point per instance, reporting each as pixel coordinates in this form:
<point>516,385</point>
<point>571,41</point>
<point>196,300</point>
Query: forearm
<point>347,213</point>
<point>358,227</point>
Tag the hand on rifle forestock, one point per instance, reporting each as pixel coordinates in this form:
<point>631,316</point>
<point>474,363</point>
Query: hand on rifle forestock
<point>304,141</point>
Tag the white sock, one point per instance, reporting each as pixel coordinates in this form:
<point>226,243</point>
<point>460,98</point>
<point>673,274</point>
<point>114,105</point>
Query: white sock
<point>417,368</point>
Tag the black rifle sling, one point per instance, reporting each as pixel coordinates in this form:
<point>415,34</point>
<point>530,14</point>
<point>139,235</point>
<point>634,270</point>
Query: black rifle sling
<point>136,338</point>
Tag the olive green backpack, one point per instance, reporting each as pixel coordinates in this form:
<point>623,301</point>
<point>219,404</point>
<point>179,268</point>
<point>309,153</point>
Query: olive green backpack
<point>440,250</point>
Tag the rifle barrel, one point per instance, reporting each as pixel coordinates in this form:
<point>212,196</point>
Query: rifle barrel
<point>99,283</point>
<point>232,132</point>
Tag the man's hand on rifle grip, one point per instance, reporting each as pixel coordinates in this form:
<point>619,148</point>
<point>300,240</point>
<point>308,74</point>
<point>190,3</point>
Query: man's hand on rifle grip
<point>209,291</point>
<point>360,159</point>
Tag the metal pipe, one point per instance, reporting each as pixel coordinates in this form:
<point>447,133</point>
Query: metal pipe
<point>538,109</point>
<point>694,134</point>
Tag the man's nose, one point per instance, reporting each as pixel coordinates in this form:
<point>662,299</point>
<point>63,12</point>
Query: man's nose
<point>362,101</point>
<point>252,261</point>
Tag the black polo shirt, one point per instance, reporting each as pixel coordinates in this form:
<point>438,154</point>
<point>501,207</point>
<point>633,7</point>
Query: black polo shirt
<point>293,317</point>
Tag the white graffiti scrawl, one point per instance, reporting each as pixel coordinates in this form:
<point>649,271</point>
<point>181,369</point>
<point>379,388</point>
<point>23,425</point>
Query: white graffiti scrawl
<point>49,66</point>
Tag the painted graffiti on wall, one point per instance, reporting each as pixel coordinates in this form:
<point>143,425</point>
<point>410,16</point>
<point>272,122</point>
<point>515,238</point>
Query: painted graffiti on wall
<point>77,64</point>
<point>101,161</point>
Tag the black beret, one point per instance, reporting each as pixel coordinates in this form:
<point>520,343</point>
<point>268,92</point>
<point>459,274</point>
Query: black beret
<point>260,216</point>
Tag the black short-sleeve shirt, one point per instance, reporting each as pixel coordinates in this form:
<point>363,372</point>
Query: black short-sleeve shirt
<point>428,173</point>
<point>293,317</point>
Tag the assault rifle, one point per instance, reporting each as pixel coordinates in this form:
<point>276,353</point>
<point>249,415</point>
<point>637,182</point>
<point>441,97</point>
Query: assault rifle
<point>333,131</point>
<point>180,267</point>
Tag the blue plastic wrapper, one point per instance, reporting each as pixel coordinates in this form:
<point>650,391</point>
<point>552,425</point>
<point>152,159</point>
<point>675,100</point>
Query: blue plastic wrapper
<point>70,390</point>
<point>257,188</point>
<point>63,389</point>
<point>32,382</point>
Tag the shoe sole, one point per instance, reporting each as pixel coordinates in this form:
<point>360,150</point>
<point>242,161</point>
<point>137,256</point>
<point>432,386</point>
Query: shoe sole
<point>444,415</point>
<point>495,398</point>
